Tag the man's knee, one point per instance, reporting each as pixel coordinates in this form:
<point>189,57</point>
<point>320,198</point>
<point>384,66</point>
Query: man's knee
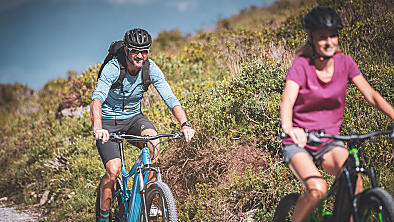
<point>112,168</point>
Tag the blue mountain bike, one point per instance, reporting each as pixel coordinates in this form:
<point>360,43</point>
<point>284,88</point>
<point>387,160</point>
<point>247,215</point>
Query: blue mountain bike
<point>146,201</point>
<point>374,204</point>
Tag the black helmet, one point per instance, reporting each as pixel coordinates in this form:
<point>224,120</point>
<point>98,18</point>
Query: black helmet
<point>137,38</point>
<point>322,18</point>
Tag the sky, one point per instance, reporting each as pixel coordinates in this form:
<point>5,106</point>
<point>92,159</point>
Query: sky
<point>41,40</point>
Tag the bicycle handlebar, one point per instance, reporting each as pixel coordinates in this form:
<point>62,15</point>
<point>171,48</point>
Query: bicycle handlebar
<point>119,137</point>
<point>315,135</point>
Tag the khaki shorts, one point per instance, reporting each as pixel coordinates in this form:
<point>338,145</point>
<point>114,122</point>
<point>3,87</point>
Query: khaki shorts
<point>317,156</point>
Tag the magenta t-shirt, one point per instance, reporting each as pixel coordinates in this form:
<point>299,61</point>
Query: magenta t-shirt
<point>320,105</point>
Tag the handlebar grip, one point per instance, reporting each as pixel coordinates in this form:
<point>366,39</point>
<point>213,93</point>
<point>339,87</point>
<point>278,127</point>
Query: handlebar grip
<point>391,128</point>
<point>284,135</point>
<point>177,134</point>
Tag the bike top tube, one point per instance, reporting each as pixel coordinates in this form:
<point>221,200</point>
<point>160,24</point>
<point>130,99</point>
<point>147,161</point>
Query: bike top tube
<point>315,135</point>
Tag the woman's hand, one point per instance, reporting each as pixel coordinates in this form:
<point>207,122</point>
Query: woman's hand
<point>298,136</point>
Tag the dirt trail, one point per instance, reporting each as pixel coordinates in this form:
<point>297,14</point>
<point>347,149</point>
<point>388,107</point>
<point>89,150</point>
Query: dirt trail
<point>9,213</point>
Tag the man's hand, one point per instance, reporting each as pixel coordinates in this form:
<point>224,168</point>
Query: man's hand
<point>188,132</point>
<point>102,134</point>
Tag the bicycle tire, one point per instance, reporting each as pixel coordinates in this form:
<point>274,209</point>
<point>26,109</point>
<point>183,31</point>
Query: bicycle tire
<point>285,209</point>
<point>117,211</point>
<point>370,201</point>
<point>159,194</point>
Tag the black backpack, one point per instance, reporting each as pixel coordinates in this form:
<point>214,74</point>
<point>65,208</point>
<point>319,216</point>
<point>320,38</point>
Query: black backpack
<point>116,51</point>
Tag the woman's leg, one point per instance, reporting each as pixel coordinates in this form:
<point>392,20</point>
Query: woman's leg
<point>333,162</point>
<point>305,170</point>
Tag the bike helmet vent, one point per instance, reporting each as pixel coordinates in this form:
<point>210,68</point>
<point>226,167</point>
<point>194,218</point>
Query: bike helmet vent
<point>322,18</point>
<point>138,38</point>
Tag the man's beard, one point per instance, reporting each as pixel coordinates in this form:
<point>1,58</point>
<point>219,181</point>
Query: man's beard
<point>136,68</point>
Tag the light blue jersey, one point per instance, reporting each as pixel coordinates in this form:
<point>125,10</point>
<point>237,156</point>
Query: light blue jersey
<point>112,100</point>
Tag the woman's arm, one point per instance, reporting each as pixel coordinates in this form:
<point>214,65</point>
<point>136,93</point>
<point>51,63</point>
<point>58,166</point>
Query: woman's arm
<point>373,97</point>
<point>289,97</point>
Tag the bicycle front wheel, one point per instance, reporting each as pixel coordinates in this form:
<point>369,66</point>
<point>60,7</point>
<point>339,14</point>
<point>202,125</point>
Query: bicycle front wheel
<point>376,204</point>
<point>117,211</point>
<point>285,209</point>
<point>160,203</point>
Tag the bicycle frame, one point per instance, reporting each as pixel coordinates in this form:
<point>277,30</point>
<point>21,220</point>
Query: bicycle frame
<point>132,198</point>
<point>133,201</point>
<point>346,203</point>
<point>352,166</point>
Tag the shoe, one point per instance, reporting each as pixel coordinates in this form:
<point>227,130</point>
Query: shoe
<point>154,211</point>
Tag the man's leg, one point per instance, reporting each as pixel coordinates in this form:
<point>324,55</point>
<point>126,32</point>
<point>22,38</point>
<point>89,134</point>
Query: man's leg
<point>112,171</point>
<point>110,155</point>
<point>141,125</point>
<point>154,151</point>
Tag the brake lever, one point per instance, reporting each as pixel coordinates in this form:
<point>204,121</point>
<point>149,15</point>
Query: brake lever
<point>177,134</point>
<point>313,139</point>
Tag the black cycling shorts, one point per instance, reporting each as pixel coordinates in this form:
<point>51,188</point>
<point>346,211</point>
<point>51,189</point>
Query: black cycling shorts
<point>134,126</point>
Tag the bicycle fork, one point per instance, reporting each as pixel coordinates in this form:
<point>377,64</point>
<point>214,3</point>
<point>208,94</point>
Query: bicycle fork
<point>358,170</point>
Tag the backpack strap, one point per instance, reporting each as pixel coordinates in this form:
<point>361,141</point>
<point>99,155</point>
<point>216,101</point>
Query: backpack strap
<point>122,64</point>
<point>146,75</point>
<point>116,51</point>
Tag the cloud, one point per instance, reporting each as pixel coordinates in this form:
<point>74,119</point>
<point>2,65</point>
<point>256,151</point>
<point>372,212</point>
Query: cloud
<point>183,5</point>
<point>179,5</point>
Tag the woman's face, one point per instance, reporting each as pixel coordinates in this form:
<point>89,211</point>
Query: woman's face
<point>325,42</point>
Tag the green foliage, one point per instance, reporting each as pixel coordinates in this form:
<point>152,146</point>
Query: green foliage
<point>169,41</point>
<point>229,82</point>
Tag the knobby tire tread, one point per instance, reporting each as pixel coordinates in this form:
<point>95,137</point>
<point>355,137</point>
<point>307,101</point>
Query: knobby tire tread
<point>372,198</point>
<point>164,191</point>
<point>282,212</point>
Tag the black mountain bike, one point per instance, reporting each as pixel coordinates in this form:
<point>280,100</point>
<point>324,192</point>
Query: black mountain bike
<point>374,204</point>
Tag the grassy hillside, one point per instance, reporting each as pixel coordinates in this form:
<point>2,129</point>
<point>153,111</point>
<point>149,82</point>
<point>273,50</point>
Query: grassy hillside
<point>229,81</point>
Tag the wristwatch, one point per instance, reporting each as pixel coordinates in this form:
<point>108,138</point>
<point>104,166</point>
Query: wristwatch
<point>186,123</point>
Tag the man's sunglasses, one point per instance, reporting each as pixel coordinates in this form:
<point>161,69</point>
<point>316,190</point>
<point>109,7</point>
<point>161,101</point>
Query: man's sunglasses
<point>134,52</point>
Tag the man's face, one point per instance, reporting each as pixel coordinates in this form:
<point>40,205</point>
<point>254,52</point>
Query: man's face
<point>137,56</point>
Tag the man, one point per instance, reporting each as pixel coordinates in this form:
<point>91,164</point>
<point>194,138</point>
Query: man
<point>119,109</point>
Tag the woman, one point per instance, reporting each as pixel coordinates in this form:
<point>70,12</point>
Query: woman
<point>314,98</point>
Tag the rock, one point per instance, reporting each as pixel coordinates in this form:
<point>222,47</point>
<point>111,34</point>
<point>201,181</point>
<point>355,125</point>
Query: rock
<point>44,197</point>
<point>73,111</point>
